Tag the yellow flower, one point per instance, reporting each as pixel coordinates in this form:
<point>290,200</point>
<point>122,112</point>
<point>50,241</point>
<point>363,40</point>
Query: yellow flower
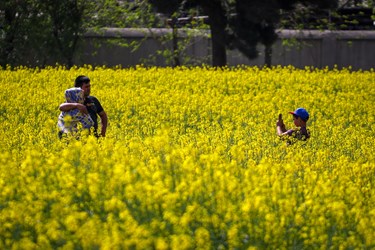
<point>191,160</point>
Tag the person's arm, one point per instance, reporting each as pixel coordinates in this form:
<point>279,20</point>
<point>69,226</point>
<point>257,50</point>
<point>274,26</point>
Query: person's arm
<point>280,126</point>
<point>104,122</point>
<point>69,106</point>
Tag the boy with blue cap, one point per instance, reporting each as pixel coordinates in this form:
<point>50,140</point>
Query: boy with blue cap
<point>300,118</point>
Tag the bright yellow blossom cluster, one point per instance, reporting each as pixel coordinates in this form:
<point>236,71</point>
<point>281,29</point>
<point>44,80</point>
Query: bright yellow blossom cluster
<point>191,160</point>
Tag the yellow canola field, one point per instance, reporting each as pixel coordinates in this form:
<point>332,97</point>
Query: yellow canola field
<point>191,161</point>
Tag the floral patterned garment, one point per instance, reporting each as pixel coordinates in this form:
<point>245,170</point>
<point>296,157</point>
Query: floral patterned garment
<point>68,120</point>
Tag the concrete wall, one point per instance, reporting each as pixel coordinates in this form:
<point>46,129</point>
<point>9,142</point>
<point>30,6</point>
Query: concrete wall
<point>303,48</point>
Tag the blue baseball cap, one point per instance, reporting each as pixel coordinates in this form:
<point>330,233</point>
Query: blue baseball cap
<point>301,112</point>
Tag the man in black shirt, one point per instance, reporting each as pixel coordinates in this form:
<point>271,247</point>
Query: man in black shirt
<point>91,106</point>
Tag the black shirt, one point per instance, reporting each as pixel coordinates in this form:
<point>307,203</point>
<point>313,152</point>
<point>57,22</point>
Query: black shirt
<point>94,108</point>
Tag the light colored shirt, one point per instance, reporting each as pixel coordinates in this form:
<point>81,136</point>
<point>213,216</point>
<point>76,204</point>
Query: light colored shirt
<point>68,120</point>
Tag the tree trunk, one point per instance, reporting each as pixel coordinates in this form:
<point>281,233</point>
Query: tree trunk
<point>176,59</point>
<point>218,23</point>
<point>268,55</point>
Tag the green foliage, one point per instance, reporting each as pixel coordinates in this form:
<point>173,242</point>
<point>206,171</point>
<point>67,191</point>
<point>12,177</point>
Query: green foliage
<point>347,16</point>
<point>40,33</point>
<point>121,14</point>
<point>65,21</point>
<point>20,36</point>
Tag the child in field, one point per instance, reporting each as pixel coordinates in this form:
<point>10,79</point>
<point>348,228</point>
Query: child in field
<point>68,120</point>
<point>300,118</point>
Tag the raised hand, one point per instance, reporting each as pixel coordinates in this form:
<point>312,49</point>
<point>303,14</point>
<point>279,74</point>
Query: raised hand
<point>280,121</point>
<point>280,126</point>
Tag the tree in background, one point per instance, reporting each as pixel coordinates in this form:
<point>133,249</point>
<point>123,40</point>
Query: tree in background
<point>21,32</point>
<point>66,27</point>
<point>171,9</point>
<point>34,32</point>
<point>256,22</point>
<point>347,15</point>
<point>46,32</point>
<point>12,30</point>
<point>120,14</point>
<point>242,24</point>
<point>182,20</point>
<point>40,32</point>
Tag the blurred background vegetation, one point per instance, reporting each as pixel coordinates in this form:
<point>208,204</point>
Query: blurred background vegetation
<point>34,32</point>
